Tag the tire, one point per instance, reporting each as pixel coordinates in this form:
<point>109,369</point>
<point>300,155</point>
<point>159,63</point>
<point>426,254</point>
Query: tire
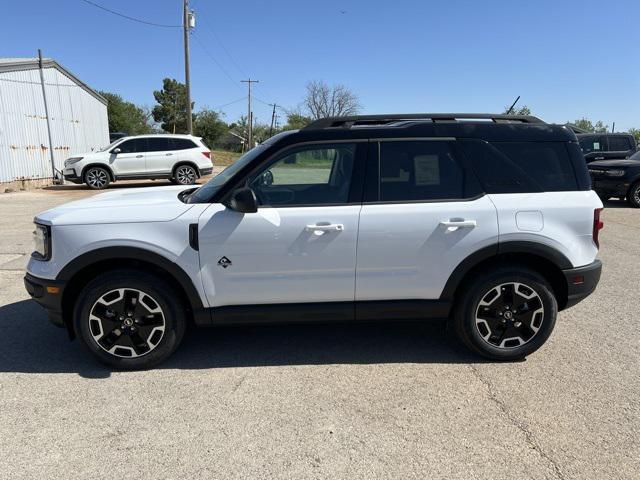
<point>482,321</point>
<point>97,178</point>
<point>185,175</point>
<point>129,339</point>
<point>633,196</point>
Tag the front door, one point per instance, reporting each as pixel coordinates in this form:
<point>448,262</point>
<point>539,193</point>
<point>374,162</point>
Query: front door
<point>426,216</point>
<point>130,160</point>
<point>300,246</point>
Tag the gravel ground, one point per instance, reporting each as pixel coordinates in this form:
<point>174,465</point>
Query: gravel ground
<point>383,401</point>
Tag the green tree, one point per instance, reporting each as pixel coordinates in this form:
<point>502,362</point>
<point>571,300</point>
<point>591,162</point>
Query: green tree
<point>588,126</point>
<point>125,116</point>
<point>636,133</point>
<point>523,110</point>
<point>171,108</point>
<point>296,121</point>
<point>208,125</point>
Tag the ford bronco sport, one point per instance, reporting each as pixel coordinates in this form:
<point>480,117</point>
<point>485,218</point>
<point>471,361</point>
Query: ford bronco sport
<point>487,220</point>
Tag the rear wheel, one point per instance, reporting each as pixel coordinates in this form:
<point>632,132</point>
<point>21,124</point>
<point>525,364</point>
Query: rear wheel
<point>97,178</point>
<point>633,196</point>
<point>129,319</point>
<point>185,175</point>
<point>507,314</point>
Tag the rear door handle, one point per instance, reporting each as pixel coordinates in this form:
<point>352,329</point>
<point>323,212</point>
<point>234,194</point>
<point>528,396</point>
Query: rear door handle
<point>599,158</point>
<point>320,228</point>
<point>456,224</point>
<point>169,154</point>
<point>138,156</point>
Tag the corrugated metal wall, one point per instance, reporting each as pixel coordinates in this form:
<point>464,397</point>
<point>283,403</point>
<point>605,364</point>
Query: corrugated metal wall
<point>78,123</point>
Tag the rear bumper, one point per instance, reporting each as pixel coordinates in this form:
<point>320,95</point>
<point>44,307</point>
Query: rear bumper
<point>50,301</point>
<point>581,282</point>
<point>206,171</point>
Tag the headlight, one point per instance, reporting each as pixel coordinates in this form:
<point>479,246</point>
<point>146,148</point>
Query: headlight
<point>71,161</point>
<point>42,242</point>
<point>614,173</point>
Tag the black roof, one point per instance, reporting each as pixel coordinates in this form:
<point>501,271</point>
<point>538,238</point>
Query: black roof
<point>490,127</point>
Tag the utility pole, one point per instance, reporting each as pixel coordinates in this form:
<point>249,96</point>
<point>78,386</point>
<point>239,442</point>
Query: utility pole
<point>46,114</point>
<point>273,119</point>
<point>187,24</point>
<point>249,115</point>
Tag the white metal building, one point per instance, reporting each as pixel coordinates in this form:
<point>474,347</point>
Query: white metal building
<point>77,117</point>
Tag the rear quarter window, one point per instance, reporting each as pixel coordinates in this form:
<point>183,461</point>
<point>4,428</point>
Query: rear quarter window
<point>517,167</point>
<point>181,144</point>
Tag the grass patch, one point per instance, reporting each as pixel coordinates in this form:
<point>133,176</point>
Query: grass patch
<point>222,157</point>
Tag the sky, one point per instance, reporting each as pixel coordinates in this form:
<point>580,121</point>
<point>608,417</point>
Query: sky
<point>566,59</point>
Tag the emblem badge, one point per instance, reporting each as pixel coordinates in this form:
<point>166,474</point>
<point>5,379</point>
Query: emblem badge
<point>224,262</point>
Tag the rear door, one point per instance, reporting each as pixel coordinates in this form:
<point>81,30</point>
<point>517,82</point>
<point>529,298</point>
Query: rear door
<point>159,156</point>
<point>130,160</point>
<point>423,215</point>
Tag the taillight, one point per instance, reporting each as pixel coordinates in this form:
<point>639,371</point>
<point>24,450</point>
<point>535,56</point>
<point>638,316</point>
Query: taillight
<point>597,226</point>
<point>207,154</point>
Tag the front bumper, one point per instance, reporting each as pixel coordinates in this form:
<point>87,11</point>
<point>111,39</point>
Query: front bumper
<point>581,282</point>
<point>70,175</point>
<point>48,293</point>
<point>614,187</point>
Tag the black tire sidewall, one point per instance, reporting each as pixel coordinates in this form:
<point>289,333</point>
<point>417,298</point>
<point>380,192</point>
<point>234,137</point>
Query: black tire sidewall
<point>175,175</point>
<point>630,196</point>
<point>97,188</point>
<point>175,321</point>
<point>464,315</point>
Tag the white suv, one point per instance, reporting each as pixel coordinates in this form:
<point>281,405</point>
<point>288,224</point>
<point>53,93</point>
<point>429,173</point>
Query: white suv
<point>181,158</point>
<point>486,220</point>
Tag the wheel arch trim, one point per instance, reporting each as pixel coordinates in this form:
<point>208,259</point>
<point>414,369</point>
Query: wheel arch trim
<point>545,252</point>
<point>134,253</point>
<point>112,176</point>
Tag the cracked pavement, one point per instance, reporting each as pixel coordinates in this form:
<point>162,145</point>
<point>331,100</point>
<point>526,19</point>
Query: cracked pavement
<point>337,401</point>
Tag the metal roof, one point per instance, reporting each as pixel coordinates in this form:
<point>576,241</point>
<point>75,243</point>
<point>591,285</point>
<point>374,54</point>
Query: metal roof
<point>9,64</point>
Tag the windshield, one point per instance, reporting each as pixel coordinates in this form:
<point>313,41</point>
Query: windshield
<point>635,156</point>
<point>205,192</point>
<point>110,145</point>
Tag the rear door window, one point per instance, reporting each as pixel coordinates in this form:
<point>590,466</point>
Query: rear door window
<point>159,144</point>
<point>420,170</point>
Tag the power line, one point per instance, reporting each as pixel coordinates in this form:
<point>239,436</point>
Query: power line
<point>222,45</point>
<point>230,103</point>
<point>133,19</point>
<point>206,51</point>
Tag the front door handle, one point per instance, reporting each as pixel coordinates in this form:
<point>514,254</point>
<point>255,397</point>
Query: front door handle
<point>453,225</point>
<point>169,154</point>
<point>138,156</point>
<point>321,228</point>
<point>599,158</point>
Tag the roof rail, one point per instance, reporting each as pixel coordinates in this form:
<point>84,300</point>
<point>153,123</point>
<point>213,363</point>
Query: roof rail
<point>381,120</point>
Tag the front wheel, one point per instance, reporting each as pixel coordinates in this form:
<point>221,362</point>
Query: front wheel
<point>633,196</point>
<point>185,175</point>
<point>97,178</point>
<point>506,314</point>
<point>129,319</point>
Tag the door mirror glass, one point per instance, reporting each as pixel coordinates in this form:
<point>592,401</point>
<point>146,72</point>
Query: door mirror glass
<point>266,178</point>
<point>116,151</point>
<point>243,200</point>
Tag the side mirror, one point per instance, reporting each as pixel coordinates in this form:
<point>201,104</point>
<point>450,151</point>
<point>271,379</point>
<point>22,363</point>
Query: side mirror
<point>116,151</point>
<point>267,178</point>
<point>243,200</point>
